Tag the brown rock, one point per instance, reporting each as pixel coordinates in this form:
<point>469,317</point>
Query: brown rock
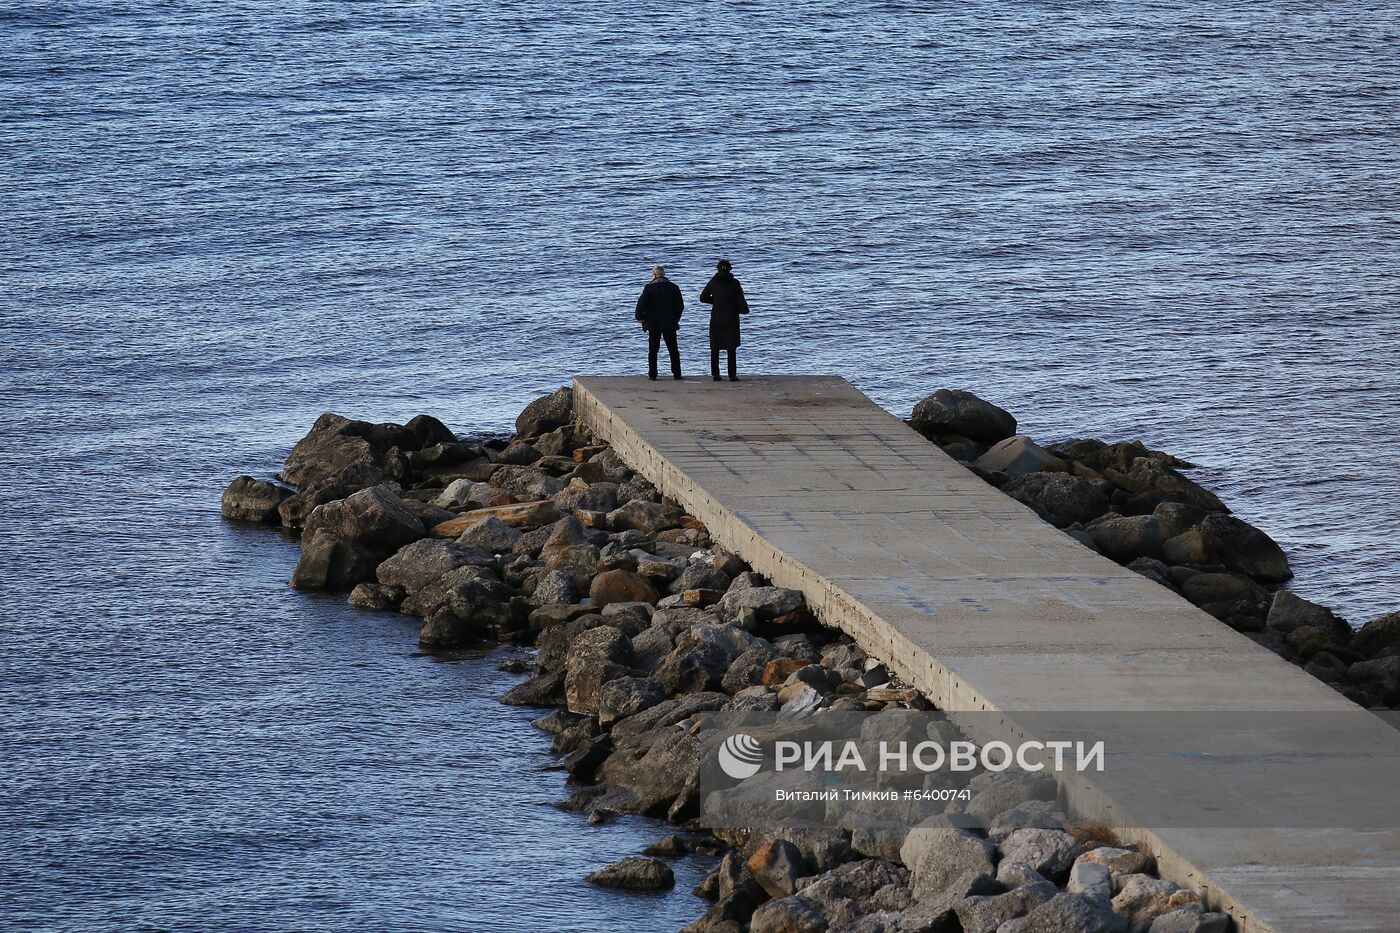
<point>518,515</point>
<point>620,586</point>
<point>777,671</point>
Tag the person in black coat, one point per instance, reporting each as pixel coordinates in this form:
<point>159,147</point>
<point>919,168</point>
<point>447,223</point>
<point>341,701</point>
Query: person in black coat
<point>659,311</point>
<point>725,296</point>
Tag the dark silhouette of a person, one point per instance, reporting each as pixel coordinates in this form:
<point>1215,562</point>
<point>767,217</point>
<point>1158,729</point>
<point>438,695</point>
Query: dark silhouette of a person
<point>659,311</point>
<point>725,296</point>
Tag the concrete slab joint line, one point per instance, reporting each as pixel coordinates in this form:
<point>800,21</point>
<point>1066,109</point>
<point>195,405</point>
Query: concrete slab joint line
<point>982,605</point>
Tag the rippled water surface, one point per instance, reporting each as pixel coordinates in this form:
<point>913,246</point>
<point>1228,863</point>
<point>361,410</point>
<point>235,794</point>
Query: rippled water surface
<point>1170,221</point>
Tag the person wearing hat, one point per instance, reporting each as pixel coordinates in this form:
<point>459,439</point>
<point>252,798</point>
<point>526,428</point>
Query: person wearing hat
<point>659,312</point>
<point>725,296</point>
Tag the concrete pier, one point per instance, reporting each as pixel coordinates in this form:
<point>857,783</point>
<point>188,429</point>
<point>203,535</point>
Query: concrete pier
<point>970,596</point>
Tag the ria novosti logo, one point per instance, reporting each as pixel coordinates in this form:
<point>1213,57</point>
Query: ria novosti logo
<point>741,756</point>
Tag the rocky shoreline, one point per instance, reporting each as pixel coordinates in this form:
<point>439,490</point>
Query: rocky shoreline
<point>641,625</point>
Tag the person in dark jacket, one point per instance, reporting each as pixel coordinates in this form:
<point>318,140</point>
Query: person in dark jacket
<point>659,310</point>
<point>725,296</point>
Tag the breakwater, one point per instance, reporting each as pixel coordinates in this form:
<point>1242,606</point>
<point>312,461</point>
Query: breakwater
<point>553,514</point>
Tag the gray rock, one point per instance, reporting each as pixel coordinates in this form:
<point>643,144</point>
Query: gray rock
<point>699,575</point>
<point>1019,455</point>
<point>1289,612</point>
<point>446,628</point>
<point>1245,549</point>
<point>1142,897</point>
<point>375,519</point>
<point>546,413</point>
<point>1092,880</point>
<point>1060,498</point>
<point>643,516</point>
<point>945,860</point>
<point>541,690</point>
<point>1127,537</point>
<point>416,565</point>
<point>555,586</point>
<point>294,510</point>
<point>253,500</point>
<point>766,602</point>
<point>648,771</point>
<point>994,792</point>
<point>627,696</point>
<point>1050,852</point>
<point>1380,677</point>
<point>776,865</point>
<point>1118,861</point>
<point>1071,912</point>
<point>335,450</point>
<point>1015,874</point>
<point>329,562</point>
<point>376,596</point>
<point>456,496</point>
<point>1379,636</point>
<point>956,411</point>
<point>635,874</point>
<point>1190,919</point>
<point>595,657</point>
<point>427,431</point>
<point>793,914</point>
<point>986,913</point>
<point>491,535</point>
<point>747,669</point>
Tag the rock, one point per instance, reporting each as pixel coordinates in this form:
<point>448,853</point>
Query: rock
<point>793,914</point>
<point>490,534</point>
<point>1380,677</point>
<point>430,515</point>
<point>374,518</point>
<point>635,874</point>
<point>375,596</point>
<point>620,586</point>
<point>329,562</point>
<point>1071,912</point>
<point>335,450</point>
<point>546,413</point>
<point>1126,537</point>
<point>1174,518</point>
<point>1118,861</point>
<point>1190,919</point>
<point>253,500</point>
<point>777,671</point>
<point>1228,597</point>
<point>555,586</point>
<point>1289,613</point>
<point>955,411</point>
<point>469,592</point>
<point>295,509</point>
<point>1019,455</point>
<point>458,495</point>
<point>1032,814</point>
<point>646,517</point>
<point>1092,880</point>
<point>519,453</point>
<point>648,771</point>
<point>1378,636</point>
<point>945,860</point>
<point>766,602</point>
<point>1050,852</point>
<point>627,696</point>
<point>699,575</point>
<point>1153,569</point>
<point>694,667</point>
<point>986,913</point>
<point>671,846</point>
<point>445,628</point>
<point>518,515</point>
<point>777,865</point>
<point>747,670</point>
<point>1141,897</point>
<point>416,565</point>
<point>596,656</point>
<point>994,792</point>
<point>669,713</point>
<point>540,690</point>
<point>1059,498</point>
<point>428,431</point>
<point>1245,549</point>
<point>1015,874</point>
<point>1147,475</point>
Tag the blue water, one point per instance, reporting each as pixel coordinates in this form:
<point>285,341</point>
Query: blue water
<point>1172,221</point>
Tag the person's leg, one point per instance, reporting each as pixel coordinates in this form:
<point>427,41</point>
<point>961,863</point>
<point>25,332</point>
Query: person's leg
<point>653,344</point>
<point>674,348</point>
<point>714,362</point>
<point>733,368</point>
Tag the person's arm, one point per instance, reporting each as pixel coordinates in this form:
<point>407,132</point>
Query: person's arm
<point>707,296</point>
<point>680,303</point>
<point>641,305</point>
<point>743,302</point>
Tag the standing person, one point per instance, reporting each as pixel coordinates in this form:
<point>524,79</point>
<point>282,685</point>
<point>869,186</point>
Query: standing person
<point>725,296</point>
<point>659,309</point>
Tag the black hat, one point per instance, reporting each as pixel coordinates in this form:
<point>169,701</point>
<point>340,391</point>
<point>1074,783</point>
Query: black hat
<point>723,265</point>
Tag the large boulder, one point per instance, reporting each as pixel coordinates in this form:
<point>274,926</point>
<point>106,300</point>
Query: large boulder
<point>427,431</point>
<point>1059,498</point>
<point>1125,538</point>
<point>955,411</point>
<point>329,562</point>
<point>597,656</point>
<point>253,500</point>
<point>1019,455</point>
<point>1245,549</point>
<point>945,860</point>
<point>1380,677</point>
<point>1050,852</point>
<point>646,517</point>
<point>468,590</point>
<point>766,602</point>
<point>635,874</point>
<point>1289,613</point>
<point>336,449</point>
<point>374,518</point>
<point>546,413</point>
<point>1379,636</point>
<point>490,534</point>
<point>987,912</point>
<point>1072,912</point>
<point>648,771</point>
<point>417,565</point>
<point>777,865</point>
